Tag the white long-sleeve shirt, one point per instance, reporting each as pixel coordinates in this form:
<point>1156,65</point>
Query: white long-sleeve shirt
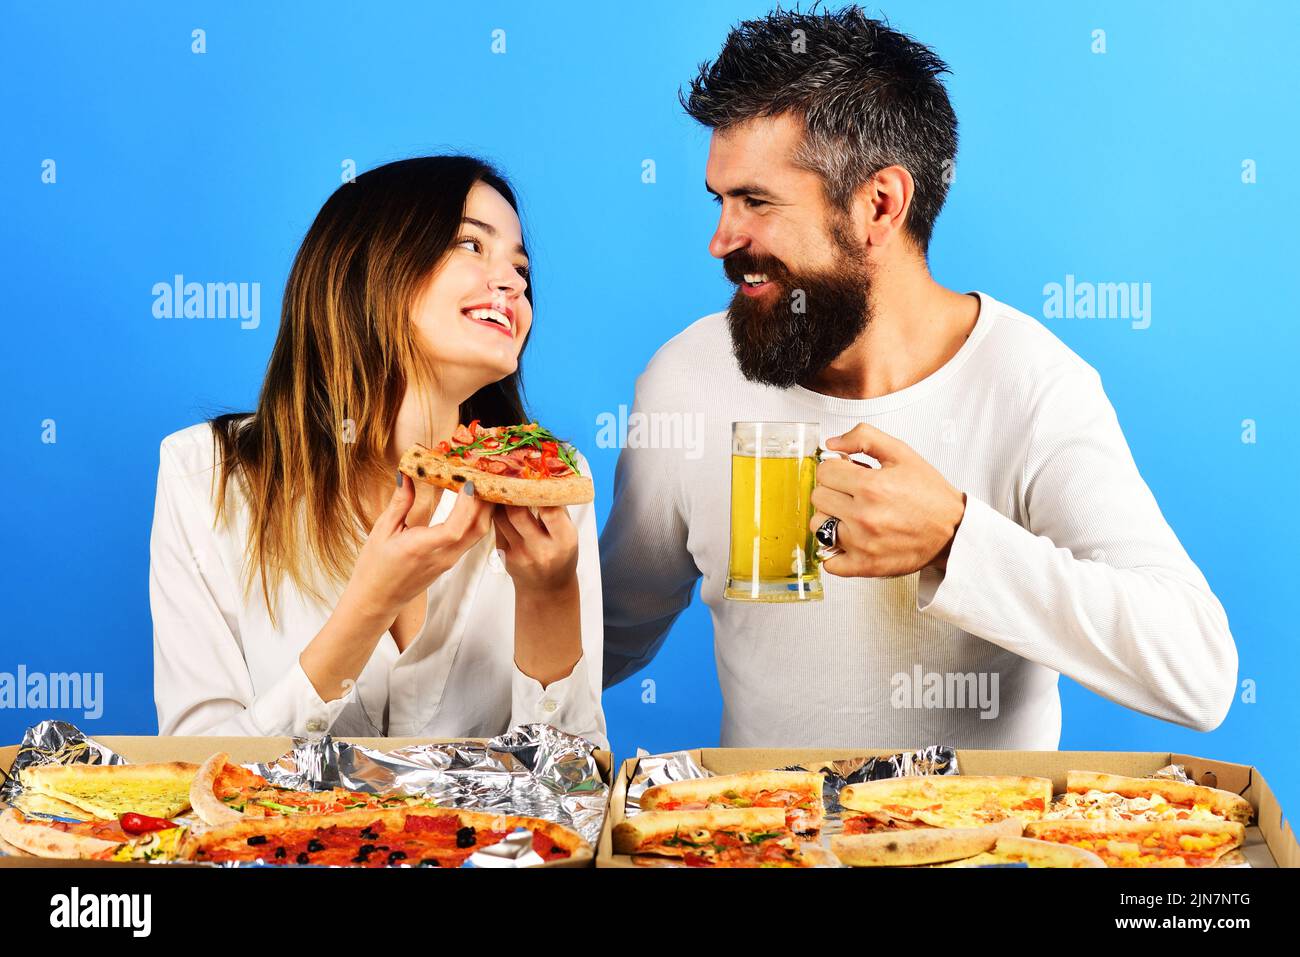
<point>220,667</point>
<point>1063,563</point>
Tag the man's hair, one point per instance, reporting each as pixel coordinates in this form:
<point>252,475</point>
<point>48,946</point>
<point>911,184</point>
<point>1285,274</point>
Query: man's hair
<point>869,97</point>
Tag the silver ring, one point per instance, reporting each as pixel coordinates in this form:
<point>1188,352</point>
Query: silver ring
<point>828,532</point>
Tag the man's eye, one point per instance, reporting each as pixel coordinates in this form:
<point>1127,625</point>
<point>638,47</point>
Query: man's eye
<point>754,203</point>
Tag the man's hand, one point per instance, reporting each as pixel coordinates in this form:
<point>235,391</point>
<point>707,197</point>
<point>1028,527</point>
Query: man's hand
<point>894,520</point>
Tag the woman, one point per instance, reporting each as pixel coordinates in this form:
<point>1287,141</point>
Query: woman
<point>405,313</point>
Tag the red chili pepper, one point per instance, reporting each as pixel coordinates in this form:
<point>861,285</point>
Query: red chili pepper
<point>134,823</point>
<point>473,428</point>
<point>550,448</point>
<point>444,447</point>
<point>491,444</point>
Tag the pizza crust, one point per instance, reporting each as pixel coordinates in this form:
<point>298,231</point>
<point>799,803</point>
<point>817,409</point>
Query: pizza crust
<point>964,798</point>
<point>425,465</point>
<point>1232,807</point>
<point>927,845</point>
<point>649,828</point>
<point>1033,853</point>
<point>203,796</point>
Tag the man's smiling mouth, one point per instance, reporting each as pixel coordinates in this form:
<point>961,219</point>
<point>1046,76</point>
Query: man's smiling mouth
<point>755,283</point>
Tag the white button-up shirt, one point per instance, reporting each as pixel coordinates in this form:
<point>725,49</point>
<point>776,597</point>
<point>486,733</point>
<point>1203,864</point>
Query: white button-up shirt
<point>222,668</point>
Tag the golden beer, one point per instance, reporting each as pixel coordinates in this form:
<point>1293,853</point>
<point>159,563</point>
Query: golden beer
<point>773,552</point>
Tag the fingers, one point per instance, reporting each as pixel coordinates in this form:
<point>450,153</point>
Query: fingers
<point>466,515</point>
<point>507,537</point>
<point>399,506</point>
<point>555,519</point>
<point>831,501</point>
<point>844,475</point>
<point>524,524</point>
<point>881,446</point>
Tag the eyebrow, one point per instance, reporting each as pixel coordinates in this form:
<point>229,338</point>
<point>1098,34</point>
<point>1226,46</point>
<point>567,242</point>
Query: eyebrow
<point>744,189</point>
<point>491,231</point>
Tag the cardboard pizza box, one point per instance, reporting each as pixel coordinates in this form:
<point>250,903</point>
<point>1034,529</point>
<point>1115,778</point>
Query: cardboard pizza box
<point>141,749</point>
<point>1269,842</point>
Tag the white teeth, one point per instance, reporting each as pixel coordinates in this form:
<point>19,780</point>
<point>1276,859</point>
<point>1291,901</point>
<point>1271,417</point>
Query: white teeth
<point>491,315</point>
<point>755,278</point>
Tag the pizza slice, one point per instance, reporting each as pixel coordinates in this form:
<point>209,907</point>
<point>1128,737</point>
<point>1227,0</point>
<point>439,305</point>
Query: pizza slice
<point>394,837</point>
<point>958,800</point>
<point>508,464</point>
<point>726,837</point>
<point>798,792</point>
<point>110,790</point>
<point>1145,843</point>
<point>121,840</point>
<point>223,792</point>
<point>924,845</point>
<point>1031,853</point>
<point>1094,796</point>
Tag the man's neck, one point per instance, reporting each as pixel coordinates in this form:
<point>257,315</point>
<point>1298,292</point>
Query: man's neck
<point>916,326</point>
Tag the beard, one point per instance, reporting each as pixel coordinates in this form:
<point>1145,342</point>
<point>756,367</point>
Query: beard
<point>803,322</point>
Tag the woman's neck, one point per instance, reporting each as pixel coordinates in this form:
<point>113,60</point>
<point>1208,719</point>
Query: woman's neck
<point>425,418</point>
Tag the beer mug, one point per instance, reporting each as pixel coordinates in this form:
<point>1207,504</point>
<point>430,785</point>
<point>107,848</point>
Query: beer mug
<point>773,552</point>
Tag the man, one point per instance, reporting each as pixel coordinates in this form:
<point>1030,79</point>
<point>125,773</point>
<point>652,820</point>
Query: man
<point>1005,538</point>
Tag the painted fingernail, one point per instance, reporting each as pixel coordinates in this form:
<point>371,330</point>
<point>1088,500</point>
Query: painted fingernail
<point>399,478</point>
<point>468,489</point>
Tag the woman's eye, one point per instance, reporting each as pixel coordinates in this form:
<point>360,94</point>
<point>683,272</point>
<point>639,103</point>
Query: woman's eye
<point>470,240</point>
<point>523,271</point>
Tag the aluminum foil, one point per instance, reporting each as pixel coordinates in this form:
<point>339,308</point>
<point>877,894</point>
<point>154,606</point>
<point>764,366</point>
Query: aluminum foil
<point>533,770</point>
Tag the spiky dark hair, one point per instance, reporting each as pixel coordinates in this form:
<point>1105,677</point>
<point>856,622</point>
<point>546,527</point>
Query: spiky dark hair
<point>869,97</point>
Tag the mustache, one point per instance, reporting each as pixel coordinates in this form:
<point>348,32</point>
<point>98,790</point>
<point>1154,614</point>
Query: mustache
<point>740,262</point>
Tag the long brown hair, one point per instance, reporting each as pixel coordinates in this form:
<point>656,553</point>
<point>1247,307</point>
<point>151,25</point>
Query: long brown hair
<point>320,435</point>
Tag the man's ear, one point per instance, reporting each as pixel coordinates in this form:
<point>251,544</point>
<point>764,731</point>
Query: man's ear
<point>881,204</point>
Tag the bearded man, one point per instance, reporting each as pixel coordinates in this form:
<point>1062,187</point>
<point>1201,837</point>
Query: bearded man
<point>1003,535</point>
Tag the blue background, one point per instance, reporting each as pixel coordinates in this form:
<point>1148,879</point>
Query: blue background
<point>1122,166</point>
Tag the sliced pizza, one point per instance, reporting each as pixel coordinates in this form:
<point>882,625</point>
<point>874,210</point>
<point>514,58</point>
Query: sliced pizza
<point>924,845</point>
<point>1031,853</point>
<point>396,837</point>
<point>224,792</point>
<point>1145,843</point>
<point>798,792</point>
<point>508,464</point>
<point>726,837</point>
<point>1094,796</point>
<point>958,800</point>
<point>110,790</point>
<point>123,840</point>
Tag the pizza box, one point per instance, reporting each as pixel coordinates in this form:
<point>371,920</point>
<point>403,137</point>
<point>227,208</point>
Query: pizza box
<point>1269,842</point>
<point>141,749</point>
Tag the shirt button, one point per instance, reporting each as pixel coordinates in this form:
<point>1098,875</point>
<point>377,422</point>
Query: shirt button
<point>549,706</point>
<point>315,724</point>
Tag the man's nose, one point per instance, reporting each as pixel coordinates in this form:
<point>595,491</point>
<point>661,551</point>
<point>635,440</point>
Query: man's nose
<point>726,239</point>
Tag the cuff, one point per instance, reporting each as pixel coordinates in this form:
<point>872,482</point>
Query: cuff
<point>939,592</point>
<point>566,704</point>
<point>293,708</point>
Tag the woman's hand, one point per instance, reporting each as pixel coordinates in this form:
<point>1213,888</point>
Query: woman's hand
<point>400,561</point>
<point>541,554</point>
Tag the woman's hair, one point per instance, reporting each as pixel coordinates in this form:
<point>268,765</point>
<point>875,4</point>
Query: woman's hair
<point>346,349</point>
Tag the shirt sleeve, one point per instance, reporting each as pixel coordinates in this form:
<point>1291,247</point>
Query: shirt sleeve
<point>1095,585</point>
<point>649,572</point>
<point>201,681</point>
<point>572,703</point>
